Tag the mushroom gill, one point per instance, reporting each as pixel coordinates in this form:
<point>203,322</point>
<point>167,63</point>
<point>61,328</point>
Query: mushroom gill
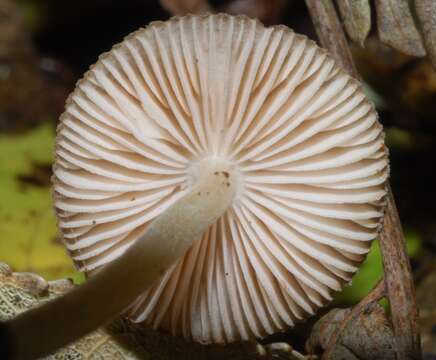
<point>304,144</point>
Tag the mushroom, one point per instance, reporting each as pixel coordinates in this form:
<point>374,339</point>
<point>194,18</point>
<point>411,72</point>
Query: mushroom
<point>214,178</point>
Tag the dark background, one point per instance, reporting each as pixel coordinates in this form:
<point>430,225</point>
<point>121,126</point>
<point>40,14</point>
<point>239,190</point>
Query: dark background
<point>46,46</point>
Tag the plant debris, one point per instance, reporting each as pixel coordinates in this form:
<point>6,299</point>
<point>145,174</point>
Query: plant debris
<point>397,28</point>
<point>122,339</point>
<point>39,176</point>
<point>356,15</point>
<point>426,13</point>
<point>366,336</point>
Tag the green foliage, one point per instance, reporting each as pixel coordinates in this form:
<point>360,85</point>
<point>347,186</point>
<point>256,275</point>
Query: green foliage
<point>28,234</point>
<point>372,270</point>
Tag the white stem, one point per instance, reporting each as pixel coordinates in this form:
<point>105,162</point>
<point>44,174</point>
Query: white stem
<point>45,329</point>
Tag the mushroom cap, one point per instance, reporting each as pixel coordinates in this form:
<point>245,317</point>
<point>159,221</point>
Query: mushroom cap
<point>306,143</point>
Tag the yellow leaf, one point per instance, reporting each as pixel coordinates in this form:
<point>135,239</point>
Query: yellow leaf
<point>28,234</point>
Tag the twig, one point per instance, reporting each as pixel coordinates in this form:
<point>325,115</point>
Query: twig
<point>398,277</point>
<point>375,294</point>
<point>399,284</point>
<point>330,33</point>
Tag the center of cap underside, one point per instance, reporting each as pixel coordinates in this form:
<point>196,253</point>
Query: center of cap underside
<point>198,170</point>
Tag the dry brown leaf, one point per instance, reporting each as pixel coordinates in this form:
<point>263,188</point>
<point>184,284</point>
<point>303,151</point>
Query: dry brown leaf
<point>123,340</point>
<point>426,12</point>
<point>397,28</point>
<point>356,15</point>
<point>21,291</point>
<point>366,336</point>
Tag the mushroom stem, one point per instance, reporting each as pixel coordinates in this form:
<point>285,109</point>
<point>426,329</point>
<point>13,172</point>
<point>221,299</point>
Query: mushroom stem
<point>47,328</point>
